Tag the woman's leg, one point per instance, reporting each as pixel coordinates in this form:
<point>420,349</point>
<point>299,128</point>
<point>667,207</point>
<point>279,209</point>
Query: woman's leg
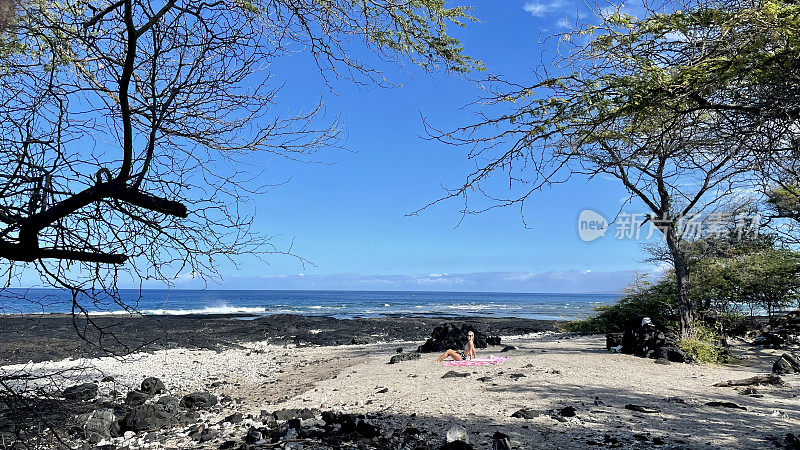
<point>451,353</point>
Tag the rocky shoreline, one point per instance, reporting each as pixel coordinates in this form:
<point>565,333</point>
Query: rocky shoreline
<point>51,337</point>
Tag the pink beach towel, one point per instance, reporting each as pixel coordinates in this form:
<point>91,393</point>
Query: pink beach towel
<point>485,361</point>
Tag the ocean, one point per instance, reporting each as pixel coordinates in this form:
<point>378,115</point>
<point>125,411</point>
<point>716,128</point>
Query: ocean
<point>339,304</point>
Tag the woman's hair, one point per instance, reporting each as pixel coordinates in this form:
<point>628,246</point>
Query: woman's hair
<point>470,333</point>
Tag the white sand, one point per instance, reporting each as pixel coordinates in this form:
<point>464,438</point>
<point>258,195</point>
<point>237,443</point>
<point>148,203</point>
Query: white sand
<point>559,371</point>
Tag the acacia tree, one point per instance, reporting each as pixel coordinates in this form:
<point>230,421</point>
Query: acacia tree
<point>132,132</point>
<point>680,106</point>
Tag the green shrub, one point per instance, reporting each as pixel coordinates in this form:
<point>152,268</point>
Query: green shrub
<point>702,342</point>
<point>640,298</point>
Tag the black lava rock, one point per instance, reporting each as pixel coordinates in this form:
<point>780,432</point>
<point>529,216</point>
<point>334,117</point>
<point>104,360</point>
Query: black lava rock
<point>725,405</point>
<point>198,400</point>
<point>233,418</point>
<point>500,441</point>
<point>642,409</point>
<point>404,357</point>
<point>670,353</point>
<point>770,339</point>
<point>253,436</point>
<point>151,417</point>
<point>526,414</point>
<point>85,391</point>
<point>136,398</point>
<point>366,430</point>
<point>454,374</point>
<point>452,336</point>
<point>347,423</point>
<point>152,386</point>
<point>288,414</point>
<point>787,363</point>
<point>569,411</point>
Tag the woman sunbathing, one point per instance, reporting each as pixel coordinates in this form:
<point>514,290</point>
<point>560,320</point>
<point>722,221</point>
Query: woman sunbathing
<point>467,353</point>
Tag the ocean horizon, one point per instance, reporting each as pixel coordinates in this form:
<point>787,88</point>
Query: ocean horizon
<point>341,304</point>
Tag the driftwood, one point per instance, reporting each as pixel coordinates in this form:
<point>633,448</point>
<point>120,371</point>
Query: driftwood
<point>759,379</point>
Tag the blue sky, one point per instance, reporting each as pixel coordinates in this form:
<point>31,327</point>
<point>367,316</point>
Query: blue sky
<point>348,217</point>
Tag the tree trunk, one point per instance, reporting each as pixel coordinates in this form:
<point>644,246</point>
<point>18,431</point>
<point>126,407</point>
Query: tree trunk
<point>681,266</point>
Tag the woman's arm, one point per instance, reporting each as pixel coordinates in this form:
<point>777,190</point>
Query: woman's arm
<point>471,352</point>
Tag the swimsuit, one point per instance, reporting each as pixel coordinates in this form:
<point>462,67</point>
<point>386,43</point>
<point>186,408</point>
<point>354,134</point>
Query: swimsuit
<point>463,353</point>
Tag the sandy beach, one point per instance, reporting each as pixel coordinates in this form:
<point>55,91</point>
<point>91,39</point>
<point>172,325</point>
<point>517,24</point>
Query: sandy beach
<point>547,372</point>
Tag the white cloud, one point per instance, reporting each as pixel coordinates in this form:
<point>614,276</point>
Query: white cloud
<point>571,281</point>
<point>541,9</point>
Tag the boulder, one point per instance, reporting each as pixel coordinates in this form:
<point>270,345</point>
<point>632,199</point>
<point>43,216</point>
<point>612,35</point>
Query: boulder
<point>347,423</point>
<point>452,336</point>
<point>151,417</point>
<point>233,418</point>
<point>750,391</point>
<point>404,357</point>
<point>253,435</point>
<point>152,386</point>
<point>500,441</point>
<point>508,348</point>
<point>525,413</point>
<point>99,425</point>
<point>136,398</point>
<point>457,433</point>
<point>492,340</point>
<point>289,414</point>
<point>770,339</point>
<point>781,332</point>
<point>198,400</point>
<point>454,374</point>
<point>367,430</point>
<point>787,363</point>
<point>670,353</point>
<point>170,402</point>
<point>85,391</point>
<point>643,340</point>
<point>201,433</point>
<point>791,441</point>
<point>568,411</point>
